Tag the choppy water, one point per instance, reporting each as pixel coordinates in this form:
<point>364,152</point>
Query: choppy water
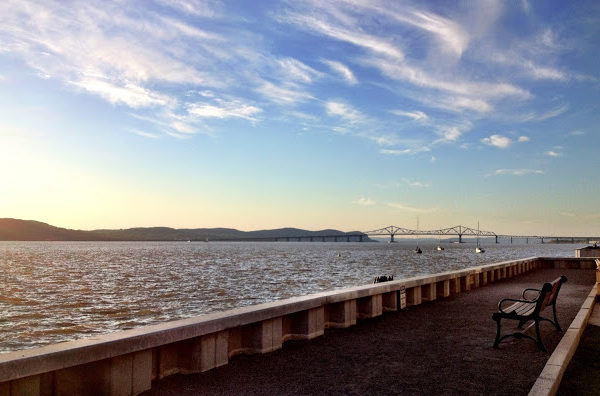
<point>59,291</point>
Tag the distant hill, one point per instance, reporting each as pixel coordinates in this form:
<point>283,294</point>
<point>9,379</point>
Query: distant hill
<point>29,230</point>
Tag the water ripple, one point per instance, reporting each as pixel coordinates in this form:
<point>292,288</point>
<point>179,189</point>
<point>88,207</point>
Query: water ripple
<point>58,291</point>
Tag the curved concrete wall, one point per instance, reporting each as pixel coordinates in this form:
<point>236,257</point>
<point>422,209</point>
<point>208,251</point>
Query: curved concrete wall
<point>126,362</point>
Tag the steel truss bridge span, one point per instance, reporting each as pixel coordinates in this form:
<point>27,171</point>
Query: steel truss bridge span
<point>459,231</point>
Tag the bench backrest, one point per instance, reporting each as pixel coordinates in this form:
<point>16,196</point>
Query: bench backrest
<point>549,293</point>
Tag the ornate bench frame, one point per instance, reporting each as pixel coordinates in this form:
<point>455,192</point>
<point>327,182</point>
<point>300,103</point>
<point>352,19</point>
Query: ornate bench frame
<point>526,309</point>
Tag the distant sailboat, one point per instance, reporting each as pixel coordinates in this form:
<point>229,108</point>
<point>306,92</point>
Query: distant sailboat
<point>439,246</point>
<point>418,249</point>
<point>478,249</point>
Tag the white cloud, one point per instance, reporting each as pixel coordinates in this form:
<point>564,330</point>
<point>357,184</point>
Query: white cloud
<point>415,115</point>
<point>365,201</point>
<point>449,133</point>
<point>577,133</point>
<point>497,141</point>
<point>298,71</point>
<point>290,94</point>
<point>544,116</point>
<point>201,8</point>
<point>451,35</point>
<point>416,183</point>
<point>401,206</point>
<point>143,133</point>
<point>407,151</point>
<point>131,95</point>
<point>223,109</point>
<point>372,43</point>
<point>517,172</point>
<point>501,141</point>
<point>342,70</point>
<point>344,111</point>
<point>551,153</point>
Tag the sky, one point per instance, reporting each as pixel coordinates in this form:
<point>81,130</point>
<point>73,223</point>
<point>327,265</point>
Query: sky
<point>350,114</point>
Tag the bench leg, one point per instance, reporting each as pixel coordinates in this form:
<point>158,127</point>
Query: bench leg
<point>555,323</point>
<point>497,340</point>
<point>519,335</point>
<point>539,337</point>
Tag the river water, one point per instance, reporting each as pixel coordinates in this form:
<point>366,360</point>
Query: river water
<point>59,291</point>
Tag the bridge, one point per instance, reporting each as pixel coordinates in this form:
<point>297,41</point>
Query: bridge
<point>461,231</point>
<point>393,231</point>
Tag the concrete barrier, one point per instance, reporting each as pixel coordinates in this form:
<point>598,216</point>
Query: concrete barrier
<point>126,362</point>
<point>548,382</point>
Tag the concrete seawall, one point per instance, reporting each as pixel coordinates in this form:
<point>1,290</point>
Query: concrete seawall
<point>126,362</point>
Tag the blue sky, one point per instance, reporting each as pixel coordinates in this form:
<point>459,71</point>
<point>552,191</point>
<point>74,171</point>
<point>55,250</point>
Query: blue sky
<point>314,114</point>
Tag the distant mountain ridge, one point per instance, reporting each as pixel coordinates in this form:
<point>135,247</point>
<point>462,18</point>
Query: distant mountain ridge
<point>31,230</point>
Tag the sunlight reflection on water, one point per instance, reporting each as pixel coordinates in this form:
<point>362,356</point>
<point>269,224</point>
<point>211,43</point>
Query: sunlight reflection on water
<point>59,291</point>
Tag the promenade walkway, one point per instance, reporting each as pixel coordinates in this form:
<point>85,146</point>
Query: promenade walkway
<point>440,347</point>
<point>582,376</point>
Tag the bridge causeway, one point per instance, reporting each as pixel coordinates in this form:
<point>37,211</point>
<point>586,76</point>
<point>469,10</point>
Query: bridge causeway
<point>461,231</point>
<point>392,231</point>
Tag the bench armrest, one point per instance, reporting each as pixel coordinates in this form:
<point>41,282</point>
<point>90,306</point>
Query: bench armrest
<point>535,290</point>
<point>512,300</point>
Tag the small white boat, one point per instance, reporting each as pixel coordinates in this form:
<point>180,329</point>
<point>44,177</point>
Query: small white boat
<point>439,245</point>
<point>478,249</point>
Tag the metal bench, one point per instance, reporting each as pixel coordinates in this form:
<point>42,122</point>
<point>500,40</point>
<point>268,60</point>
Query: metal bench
<point>528,309</point>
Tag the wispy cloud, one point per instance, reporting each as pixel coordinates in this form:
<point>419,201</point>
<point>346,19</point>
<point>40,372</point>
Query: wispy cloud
<point>517,172</point>
<point>201,8</point>
<point>416,183</point>
<point>343,22</point>
<point>342,70</point>
<point>451,35</point>
<point>290,94</point>
<point>344,111</point>
<point>415,115</point>
<point>224,109</point>
<point>131,95</point>
<point>370,42</point>
<point>451,133</point>
<point>363,201</point>
<point>143,133</point>
<point>403,207</point>
<point>298,71</point>
<point>406,151</point>
<point>544,116</point>
<point>551,153</point>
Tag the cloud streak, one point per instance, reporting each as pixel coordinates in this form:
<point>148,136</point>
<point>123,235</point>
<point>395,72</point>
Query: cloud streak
<point>413,209</point>
<point>517,172</point>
